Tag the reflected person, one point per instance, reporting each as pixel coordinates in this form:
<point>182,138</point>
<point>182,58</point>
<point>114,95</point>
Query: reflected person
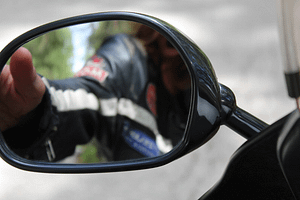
<point>132,95</point>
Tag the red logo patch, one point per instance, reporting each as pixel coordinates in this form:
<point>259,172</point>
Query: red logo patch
<point>151,98</point>
<point>92,71</point>
<point>96,59</point>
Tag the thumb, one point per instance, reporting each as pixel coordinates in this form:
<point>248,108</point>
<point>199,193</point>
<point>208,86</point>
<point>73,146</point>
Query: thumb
<point>26,81</point>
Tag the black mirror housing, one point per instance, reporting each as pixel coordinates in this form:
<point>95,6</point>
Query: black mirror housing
<point>205,104</point>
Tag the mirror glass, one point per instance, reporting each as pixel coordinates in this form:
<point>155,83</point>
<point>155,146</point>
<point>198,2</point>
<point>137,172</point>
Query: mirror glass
<point>118,89</point>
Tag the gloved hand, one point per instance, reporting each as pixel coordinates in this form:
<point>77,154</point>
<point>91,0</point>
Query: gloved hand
<point>21,89</point>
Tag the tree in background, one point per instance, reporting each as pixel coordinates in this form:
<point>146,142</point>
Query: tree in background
<point>52,53</point>
<point>102,30</point>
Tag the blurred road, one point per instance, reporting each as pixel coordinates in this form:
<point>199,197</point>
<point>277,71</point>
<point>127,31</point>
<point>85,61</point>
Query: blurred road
<point>240,38</point>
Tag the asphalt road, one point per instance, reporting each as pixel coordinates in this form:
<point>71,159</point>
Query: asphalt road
<point>240,38</point>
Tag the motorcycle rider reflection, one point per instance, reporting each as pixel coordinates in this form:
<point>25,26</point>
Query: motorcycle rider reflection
<point>132,96</point>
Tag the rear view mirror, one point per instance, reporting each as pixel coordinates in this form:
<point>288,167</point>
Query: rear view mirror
<point>138,109</point>
<point>143,96</point>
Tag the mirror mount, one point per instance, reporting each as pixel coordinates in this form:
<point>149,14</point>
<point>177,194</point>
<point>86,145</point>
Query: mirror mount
<point>238,119</point>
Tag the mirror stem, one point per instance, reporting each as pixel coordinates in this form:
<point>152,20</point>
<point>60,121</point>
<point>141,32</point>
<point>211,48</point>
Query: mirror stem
<point>245,124</point>
<point>238,119</point>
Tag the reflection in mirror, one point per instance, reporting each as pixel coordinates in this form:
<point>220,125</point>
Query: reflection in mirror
<point>116,90</point>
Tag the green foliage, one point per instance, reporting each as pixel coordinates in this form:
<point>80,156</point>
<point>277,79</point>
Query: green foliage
<point>89,153</point>
<point>52,53</point>
<point>109,28</point>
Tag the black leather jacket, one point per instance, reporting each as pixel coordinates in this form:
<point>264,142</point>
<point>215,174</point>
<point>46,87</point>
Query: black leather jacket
<point>117,97</point>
